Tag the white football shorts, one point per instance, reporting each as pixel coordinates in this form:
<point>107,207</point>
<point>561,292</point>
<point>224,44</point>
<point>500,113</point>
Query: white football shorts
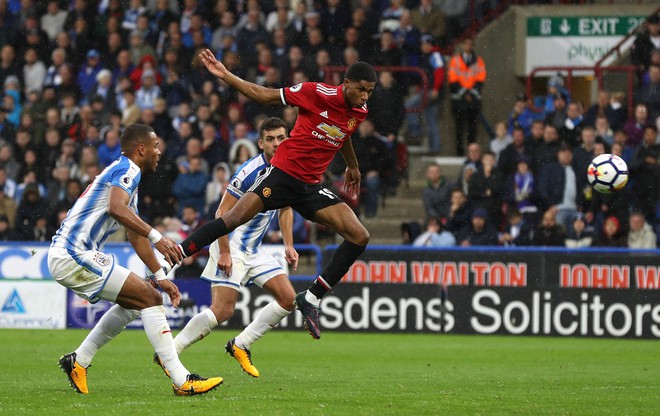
<point>247,269</point>
<point>92,275</point>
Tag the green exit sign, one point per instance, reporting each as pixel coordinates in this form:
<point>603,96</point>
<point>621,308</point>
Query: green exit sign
<point>582,25</point>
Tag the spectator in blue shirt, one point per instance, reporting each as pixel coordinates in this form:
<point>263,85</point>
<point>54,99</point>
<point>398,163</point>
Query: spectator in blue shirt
<point>87,74</point>
<point>110,149</point>
<point>434,236</point>
<point>190,186</point>
<point>521,115</point>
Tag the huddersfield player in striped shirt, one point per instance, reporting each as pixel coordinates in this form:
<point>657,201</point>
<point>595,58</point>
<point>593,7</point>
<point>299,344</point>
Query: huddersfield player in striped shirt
<point>76,261</point>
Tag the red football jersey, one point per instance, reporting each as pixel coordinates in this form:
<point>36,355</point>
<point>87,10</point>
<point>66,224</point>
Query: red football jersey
<point>324,123</point>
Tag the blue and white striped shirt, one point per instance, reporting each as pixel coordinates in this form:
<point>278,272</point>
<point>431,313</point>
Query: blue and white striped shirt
<point>248,236</point>
<point>87,224</point>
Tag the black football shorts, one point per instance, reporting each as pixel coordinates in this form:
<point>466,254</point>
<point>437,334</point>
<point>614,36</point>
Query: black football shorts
<point>278,189</point>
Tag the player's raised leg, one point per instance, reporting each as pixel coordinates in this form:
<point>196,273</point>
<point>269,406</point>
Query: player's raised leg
<point>356,237</point>
<point>244,210</point>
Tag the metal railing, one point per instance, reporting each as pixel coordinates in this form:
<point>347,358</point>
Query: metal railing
<point>305,250</point>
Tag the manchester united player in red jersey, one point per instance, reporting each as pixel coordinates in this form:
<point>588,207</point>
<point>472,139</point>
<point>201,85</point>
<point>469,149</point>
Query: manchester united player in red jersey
<point>327,117</point>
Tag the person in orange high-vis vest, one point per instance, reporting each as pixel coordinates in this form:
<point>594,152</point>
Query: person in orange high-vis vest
<point>466,77</point>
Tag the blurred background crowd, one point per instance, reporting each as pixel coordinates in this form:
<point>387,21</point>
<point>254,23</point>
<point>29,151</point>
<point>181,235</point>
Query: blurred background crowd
<point>529,186</point>
<point>74,73</point>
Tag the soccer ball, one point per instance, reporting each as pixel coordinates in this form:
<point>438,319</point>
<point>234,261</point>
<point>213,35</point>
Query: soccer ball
<point>607,173</point>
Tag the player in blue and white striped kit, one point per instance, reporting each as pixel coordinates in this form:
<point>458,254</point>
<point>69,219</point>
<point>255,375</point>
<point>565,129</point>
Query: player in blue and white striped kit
<point>239,260</point>
<point>75,260</point>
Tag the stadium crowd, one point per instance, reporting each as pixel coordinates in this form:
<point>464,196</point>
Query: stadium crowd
<point>530,187</point>
<point>74,73</point>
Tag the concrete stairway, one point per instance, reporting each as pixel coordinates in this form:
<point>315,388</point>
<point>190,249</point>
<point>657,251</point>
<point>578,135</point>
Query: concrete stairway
<point>407,205</point>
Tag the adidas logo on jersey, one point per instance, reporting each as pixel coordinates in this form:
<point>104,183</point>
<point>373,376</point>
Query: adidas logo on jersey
<point>324,114</point>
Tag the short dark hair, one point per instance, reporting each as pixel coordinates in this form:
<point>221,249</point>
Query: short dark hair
<point>636,213</point>
<point>513,212</point>
<point>272,123</point>
<point>432,219</point>
<point>134,134</point>
<point>565,148</point>
<point>361,71</point>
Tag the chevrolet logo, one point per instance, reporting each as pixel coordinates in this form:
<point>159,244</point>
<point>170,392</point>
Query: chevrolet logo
<point>332,132</point>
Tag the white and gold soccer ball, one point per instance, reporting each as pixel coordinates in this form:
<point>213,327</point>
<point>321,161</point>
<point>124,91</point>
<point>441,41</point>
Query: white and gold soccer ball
<point>607,173</point>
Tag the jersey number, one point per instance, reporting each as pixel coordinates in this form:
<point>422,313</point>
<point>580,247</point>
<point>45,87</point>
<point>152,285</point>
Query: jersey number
<point>327,193</point>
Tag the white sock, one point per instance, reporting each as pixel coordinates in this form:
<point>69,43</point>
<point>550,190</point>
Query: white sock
<point>267,319</point>
<point>160,335</point>
<point>311,298</point>
<point>109,326</point>
<point>196,329</point>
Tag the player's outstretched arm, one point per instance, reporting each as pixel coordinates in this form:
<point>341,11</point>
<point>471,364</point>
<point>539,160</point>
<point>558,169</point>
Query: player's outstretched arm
<point>285,218</point>
<point>119,210</point>
<point>224,259</point>
<point>142,247</point>
<point>352,176</point>
<point>255,92</point>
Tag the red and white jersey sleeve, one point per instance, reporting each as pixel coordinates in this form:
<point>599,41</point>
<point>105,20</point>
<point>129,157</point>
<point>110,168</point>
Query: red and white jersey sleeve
<point>299,95</point>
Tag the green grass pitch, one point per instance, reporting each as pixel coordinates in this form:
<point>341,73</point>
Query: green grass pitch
<point>342,374</point>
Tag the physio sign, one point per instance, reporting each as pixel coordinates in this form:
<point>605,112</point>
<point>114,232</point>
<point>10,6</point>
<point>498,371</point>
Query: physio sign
<point>574,40</point>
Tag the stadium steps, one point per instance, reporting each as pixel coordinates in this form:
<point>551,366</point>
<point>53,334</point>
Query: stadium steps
<point>407,205</point>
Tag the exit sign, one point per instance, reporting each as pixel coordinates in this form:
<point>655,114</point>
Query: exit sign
<point>583,25</point>
<point>574,40</point>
